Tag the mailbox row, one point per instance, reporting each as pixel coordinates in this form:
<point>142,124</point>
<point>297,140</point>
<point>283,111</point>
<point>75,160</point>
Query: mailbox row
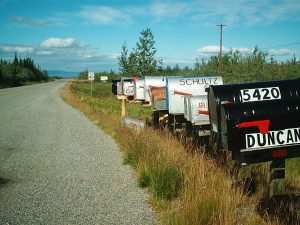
<point>179,96</point>
<point>256,121</point>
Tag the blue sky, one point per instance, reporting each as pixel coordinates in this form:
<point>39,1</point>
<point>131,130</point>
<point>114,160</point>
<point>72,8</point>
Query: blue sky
<point>74,35</point>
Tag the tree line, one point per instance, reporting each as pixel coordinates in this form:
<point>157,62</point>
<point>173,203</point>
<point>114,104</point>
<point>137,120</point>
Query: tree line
<point>20,71</point>
<point>236,67</point>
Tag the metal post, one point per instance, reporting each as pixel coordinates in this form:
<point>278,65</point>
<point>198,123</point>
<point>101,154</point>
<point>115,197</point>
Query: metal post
<point>277,169</point>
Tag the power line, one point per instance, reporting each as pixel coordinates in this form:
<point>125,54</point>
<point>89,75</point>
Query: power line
<point>278,46</point>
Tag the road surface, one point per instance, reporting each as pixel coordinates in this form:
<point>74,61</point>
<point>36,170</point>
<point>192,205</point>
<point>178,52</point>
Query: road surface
<point>56,167</point>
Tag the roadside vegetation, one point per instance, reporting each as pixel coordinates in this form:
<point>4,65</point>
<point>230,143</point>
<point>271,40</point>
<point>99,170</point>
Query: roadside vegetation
<point>21,72</point>
<point>187,184</point>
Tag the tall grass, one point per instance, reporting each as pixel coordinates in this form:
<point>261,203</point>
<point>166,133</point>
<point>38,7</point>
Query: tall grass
<point>187,188</point>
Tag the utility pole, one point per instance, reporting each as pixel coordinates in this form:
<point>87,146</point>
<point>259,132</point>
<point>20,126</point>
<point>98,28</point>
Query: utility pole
<point>221,34</point>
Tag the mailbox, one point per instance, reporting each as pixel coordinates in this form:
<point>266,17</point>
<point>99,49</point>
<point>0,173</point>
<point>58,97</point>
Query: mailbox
<point>261,131</point>
<point>196,109</point>
<point>119,88</point>
<point>178,87</point>
<point>187,107</point>
<point>127,86</point>
<point>139,93</point>
<point>158,98</point>
<point>267,91</point>
<point>114,86</point>
<point>152,81</point>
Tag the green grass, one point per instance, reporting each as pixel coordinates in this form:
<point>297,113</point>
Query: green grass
<point>104,101</point>
<point>293,167</point>
<point>186,188</point>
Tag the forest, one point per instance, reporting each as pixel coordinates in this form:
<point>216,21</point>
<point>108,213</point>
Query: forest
<point>20,72</point>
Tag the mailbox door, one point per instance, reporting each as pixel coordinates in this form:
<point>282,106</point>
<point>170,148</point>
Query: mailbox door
<point>199,110</point>
<point>139,89</point>
<point>119,88</point>
<point>153,81</point>
<point>187,108</point>
<point>260,132</point>
<point>128,88</point>
<point>158,98</point>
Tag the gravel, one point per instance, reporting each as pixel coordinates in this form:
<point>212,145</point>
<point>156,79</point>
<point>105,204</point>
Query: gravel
<point>57,167</point>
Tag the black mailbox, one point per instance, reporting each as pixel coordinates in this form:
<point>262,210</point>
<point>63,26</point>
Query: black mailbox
<point>261,131</point>
<point>114,87</point>
<point>267,91</point>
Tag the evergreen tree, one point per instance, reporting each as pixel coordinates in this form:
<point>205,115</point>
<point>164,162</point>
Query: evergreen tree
<point>123,60</point>
<point>145,52</point>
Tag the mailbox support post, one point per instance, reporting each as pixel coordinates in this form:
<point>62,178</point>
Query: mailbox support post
<point>123,106</point>
<point>156,119</point>
<point>277,169</point>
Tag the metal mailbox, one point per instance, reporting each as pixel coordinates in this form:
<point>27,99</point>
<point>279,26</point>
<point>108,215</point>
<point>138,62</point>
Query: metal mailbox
<point>196,109</point>
<point>178,87</point>
<point>114,86</point>
<point>158,98</point>
<point>139,93</point>
<point>261,131</point>
<point>187,107</point>
<point>127,86</point>
<point>152,81</point>
<point>267,91</point>
<point>119,88</point>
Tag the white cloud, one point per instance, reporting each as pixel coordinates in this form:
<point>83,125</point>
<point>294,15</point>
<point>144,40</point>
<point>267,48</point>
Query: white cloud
<point>59,43</point>
<point>65,53</point>
<point>281,52</point>
<point>210,49</point>
<point>215,49</point>
<point>44,52</point>
<point>19,49</point>
<point>167,10</point>
<point>28,21</point>
<point>103,14</point>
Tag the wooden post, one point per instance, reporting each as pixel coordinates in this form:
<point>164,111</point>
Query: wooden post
<point>91,88</point>
<point>123,106</point>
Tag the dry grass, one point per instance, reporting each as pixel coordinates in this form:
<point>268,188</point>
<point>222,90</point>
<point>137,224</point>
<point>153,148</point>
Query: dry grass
<point>187,188</point>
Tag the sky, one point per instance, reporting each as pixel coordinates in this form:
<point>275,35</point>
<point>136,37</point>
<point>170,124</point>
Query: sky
<point>74,35</point>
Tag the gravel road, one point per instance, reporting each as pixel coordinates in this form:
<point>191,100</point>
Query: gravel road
<point>56,167</point>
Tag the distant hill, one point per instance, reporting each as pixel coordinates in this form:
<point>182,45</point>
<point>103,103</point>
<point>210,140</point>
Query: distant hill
<point>64,74</point>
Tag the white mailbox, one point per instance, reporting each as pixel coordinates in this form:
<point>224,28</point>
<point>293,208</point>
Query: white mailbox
<point>196,109</point>
<point>139,93</point>
<point>119,88</point>
<point>178,87</point>
<point>127,86</point>
<point>152,81</point>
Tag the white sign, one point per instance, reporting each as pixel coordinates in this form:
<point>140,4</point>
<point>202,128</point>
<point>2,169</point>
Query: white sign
<point>260,94</point>
<point>91,76</point>
<point>277,138</point>
<point>104,78</point>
